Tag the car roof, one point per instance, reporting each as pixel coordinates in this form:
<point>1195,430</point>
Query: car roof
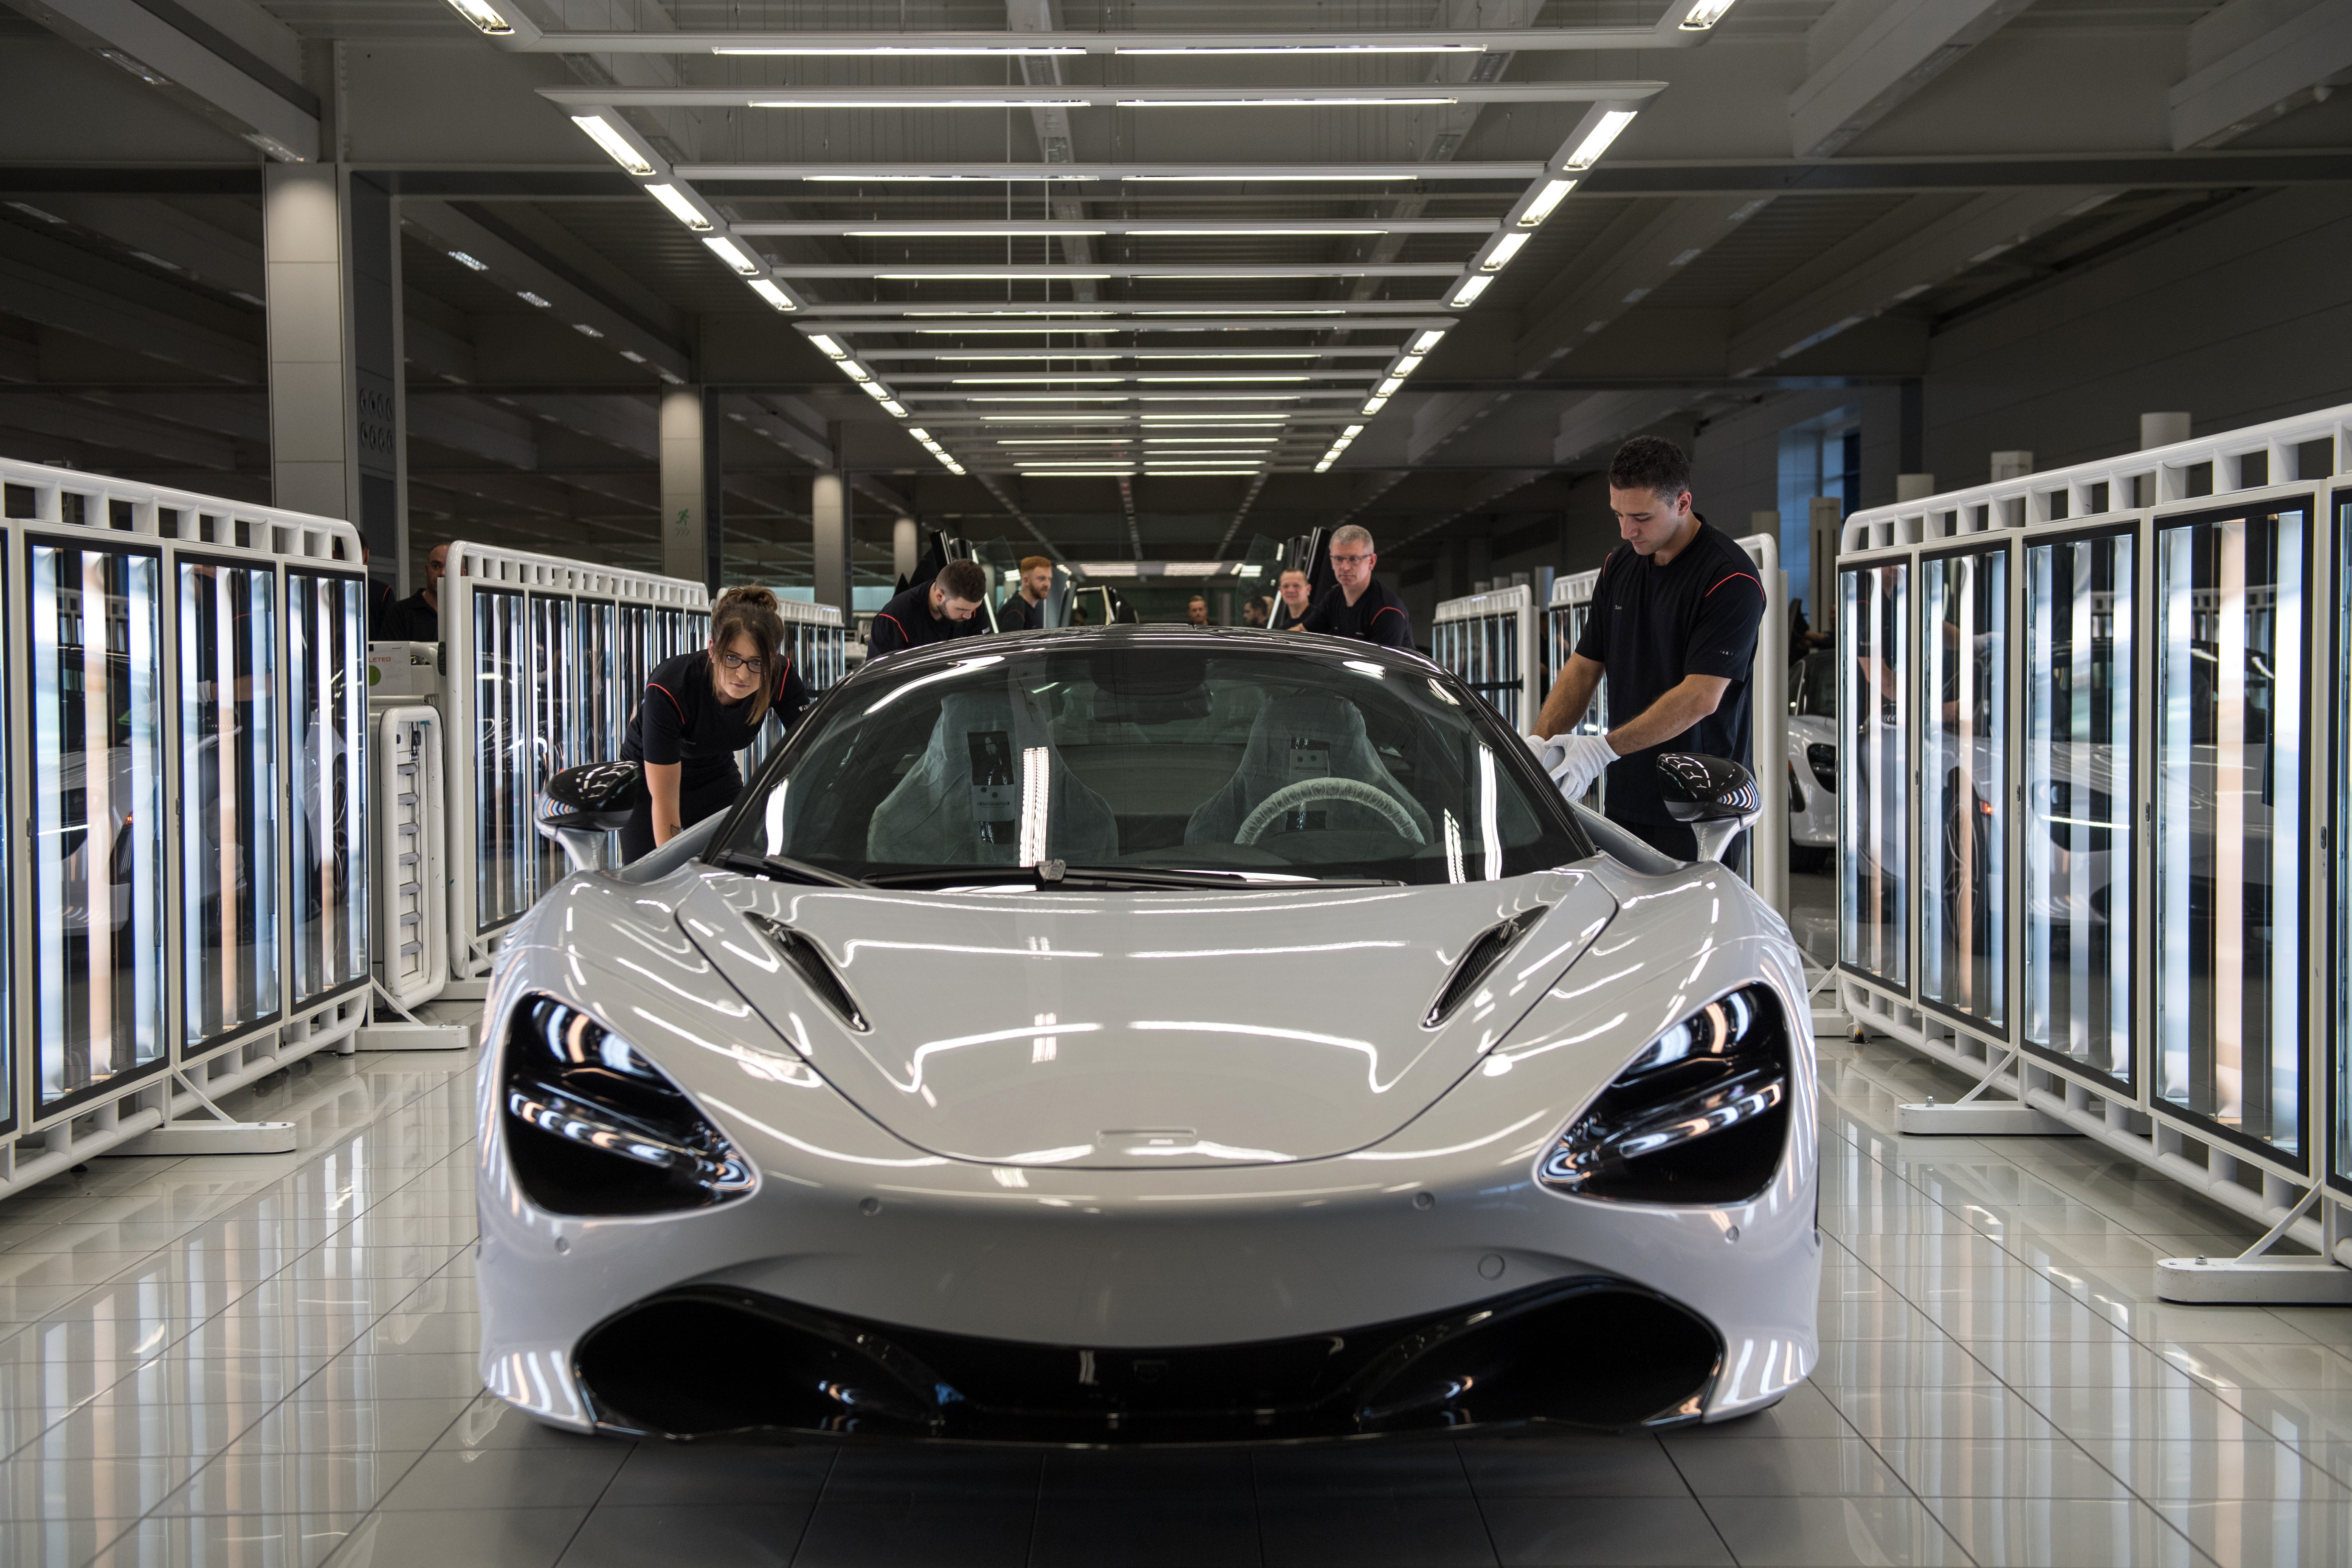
<point>1308,646</point>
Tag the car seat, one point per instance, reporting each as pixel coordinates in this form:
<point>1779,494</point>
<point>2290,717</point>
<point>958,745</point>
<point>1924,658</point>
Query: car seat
<point>1302,736</point>
<point>960,803</point>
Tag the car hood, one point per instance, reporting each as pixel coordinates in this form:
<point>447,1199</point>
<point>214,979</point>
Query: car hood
<point>1808,728</point>
<point>1143,1030</point>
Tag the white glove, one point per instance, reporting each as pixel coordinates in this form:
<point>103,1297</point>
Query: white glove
<point>1573,761</point>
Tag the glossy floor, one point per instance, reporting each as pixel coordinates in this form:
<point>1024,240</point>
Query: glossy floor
<point>219,1363</point>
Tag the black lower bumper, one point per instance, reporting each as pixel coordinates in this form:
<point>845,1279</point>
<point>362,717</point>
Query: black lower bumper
<point>1590,1352</point>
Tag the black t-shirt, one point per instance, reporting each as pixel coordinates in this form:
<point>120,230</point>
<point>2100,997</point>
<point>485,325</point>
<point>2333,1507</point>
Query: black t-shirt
<point>1283,620</point>
<point>679,719</point>
<point>1379,616</point>
<point>412,620</point>
<point>382,607</point>
<point>1018,615</point>
<point>907,621</point>
<point>1649,626</point>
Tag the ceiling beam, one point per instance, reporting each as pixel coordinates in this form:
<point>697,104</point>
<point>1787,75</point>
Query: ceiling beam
<point>214,77</point>
<point>2236,82</point>
<point>1517,173</point>
<point>1340,43</point>
<point>1057,270</point>
<point>1373,96</point>
<point>1902,48</point>
<point>1098,229</point>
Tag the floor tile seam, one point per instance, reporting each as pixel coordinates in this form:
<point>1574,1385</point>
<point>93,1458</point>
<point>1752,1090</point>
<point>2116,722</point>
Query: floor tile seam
<point>1469,1483</point>
<point>1689,1490</point>
<point>582,1523</point>
<point>341,1350</point>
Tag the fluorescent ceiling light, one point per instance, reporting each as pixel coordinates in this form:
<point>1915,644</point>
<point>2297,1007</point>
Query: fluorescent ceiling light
<point>920,434</point>
<point>633,356</point>
<point>766,289</point>
<point>1319,49</point>
<point>854,103</point>
<point>528,298</point>
<point>873,389</point>
<point>1352,432</point>
<point>1277,103</point>
<point>727,251</point>
<point>484,18</point>
<point>1250,233</point>
<point>1588,151</point>
<point>892,406</point>
<point>1470,288</point>
<point>1229,179</point>
<point>1374,405</point>
<point>885,50</point>
<point>1034,380</point>
<point>1547,199</point>
<point>459,257</point>
<point>1506,246</point>
<point>1076,473</point>
<point>1703,15</point>
<point>856,372</point>
<point>586,330</point>
<point>832,349</point>
<point>975,232</point>
<point>1088,353</point>
<point>1388,388</point>
<point>938,179</point>
<point>1408,365</point>
<point>988,277</point>
<point>1056,311</point>
<point>1155,380</point>
<point>1428,341</point>
<point>685,211</point>
<point>616,146</point>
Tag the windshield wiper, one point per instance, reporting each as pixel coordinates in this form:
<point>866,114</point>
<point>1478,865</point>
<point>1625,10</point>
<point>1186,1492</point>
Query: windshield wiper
<point>781,868</point>
<point>1055,874</point>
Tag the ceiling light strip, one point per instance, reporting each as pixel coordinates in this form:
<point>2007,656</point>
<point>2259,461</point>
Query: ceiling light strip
<point>952,45</point>
<point>1125,97</point>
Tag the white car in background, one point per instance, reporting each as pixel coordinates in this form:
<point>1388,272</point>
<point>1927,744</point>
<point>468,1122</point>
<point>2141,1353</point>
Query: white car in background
<point>1812,740</point>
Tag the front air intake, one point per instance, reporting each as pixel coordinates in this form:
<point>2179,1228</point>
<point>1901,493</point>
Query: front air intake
<point>816,971</point>
<point>1486,950</point>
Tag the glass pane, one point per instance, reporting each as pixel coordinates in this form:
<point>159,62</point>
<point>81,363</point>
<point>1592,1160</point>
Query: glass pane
<point>1963,774</point>
<point>505,846</point>
<point>326,643</point>
<point>2080,645</point>
<point>633,653</point>
<point>1874,875</point>
<point>2229,798</point>
<point>7,871</point>
<point>2341,1043</point>
<point>229,791</point>
<point>96,678</point>
<point>601,695</point>
<point>669,634</point>
<point>554,735</point>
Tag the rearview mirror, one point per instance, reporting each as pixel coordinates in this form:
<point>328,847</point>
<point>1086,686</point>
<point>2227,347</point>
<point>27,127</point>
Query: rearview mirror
<point>1716,797</point>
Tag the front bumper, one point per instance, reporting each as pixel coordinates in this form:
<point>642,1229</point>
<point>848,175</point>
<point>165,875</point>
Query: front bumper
<point>705,1360</point>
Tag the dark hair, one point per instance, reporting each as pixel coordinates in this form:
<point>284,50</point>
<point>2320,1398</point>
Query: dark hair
<point>751,613</point>
<point>1650,463</point>
<point>964,580</point>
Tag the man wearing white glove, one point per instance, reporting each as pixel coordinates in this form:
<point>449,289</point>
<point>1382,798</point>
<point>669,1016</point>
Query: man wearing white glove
<point>1673,625</point>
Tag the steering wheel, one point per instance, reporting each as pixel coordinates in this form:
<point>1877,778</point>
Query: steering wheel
<point>1354,792</point>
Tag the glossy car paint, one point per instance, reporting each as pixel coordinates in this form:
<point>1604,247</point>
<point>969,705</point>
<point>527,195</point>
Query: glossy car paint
<point>1812,810</point>
<point>1149,1119</point>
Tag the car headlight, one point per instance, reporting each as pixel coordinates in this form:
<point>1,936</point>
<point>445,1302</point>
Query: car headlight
<point>592,1128</point>
<point>1700,1117</point>
<point>1821,757</point>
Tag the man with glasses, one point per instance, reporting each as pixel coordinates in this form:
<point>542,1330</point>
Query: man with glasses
<point>1357,606</point>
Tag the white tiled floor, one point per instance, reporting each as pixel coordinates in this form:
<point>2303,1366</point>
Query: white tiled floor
<point>220,1362</point>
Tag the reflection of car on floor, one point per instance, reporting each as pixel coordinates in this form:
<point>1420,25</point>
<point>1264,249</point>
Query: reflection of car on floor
<point>1139,1036</point>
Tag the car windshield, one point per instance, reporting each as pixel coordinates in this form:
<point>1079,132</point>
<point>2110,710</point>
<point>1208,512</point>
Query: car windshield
<point>1813,689</point>
<point>1109,751</point>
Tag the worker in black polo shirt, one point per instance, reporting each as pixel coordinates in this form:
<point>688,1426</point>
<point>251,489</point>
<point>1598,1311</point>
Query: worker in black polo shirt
<point>1673,624</point>
<point>944,608</point>
<point>1023,610</point>
<point>1357,606</point>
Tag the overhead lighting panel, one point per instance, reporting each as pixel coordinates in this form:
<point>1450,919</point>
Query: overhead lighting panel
<point>1505,248</point>
<point>616,146</point>
<point>1432,49</point>
<point>856,102</point>
<point>528,298</point>
<point>1369,103</point>
<point>888,51</point>
<point>484,18</point>
<point>766,289</point>
<point>1470,288</point>
<point>727,251</point>
<point>1547,199</point>
<point>459,257</point>
<point>1612,125</point>
<point>831,349</point>
<point>975,234</point>
<point>1703,15</point>
<point>685,211</point>
<point>1428,339</point>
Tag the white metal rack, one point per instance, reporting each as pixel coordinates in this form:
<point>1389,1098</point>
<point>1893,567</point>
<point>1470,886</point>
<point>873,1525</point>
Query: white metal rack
<point>2092,757</point>
<point>180,843</point>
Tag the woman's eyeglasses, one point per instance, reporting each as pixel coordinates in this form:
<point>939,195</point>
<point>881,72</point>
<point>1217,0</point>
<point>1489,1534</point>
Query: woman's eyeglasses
<point>736,661</point>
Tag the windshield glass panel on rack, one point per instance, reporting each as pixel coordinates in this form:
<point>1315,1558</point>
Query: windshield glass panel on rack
<point>1170,758</point>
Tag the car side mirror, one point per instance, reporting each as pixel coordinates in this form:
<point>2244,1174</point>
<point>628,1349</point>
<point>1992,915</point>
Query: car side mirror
<point>1716,797</point>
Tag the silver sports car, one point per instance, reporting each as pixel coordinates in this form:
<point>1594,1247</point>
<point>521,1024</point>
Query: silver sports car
<point>1146,1036</point>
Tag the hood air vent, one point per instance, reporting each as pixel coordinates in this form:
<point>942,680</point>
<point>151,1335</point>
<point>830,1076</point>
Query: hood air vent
<point>808,960</point>
<point>1485,951</point>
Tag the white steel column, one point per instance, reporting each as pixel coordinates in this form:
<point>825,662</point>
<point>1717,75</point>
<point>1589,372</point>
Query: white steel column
<point>683,502</point>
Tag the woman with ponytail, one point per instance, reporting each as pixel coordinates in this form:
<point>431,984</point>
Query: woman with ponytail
<point>700,709</point>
